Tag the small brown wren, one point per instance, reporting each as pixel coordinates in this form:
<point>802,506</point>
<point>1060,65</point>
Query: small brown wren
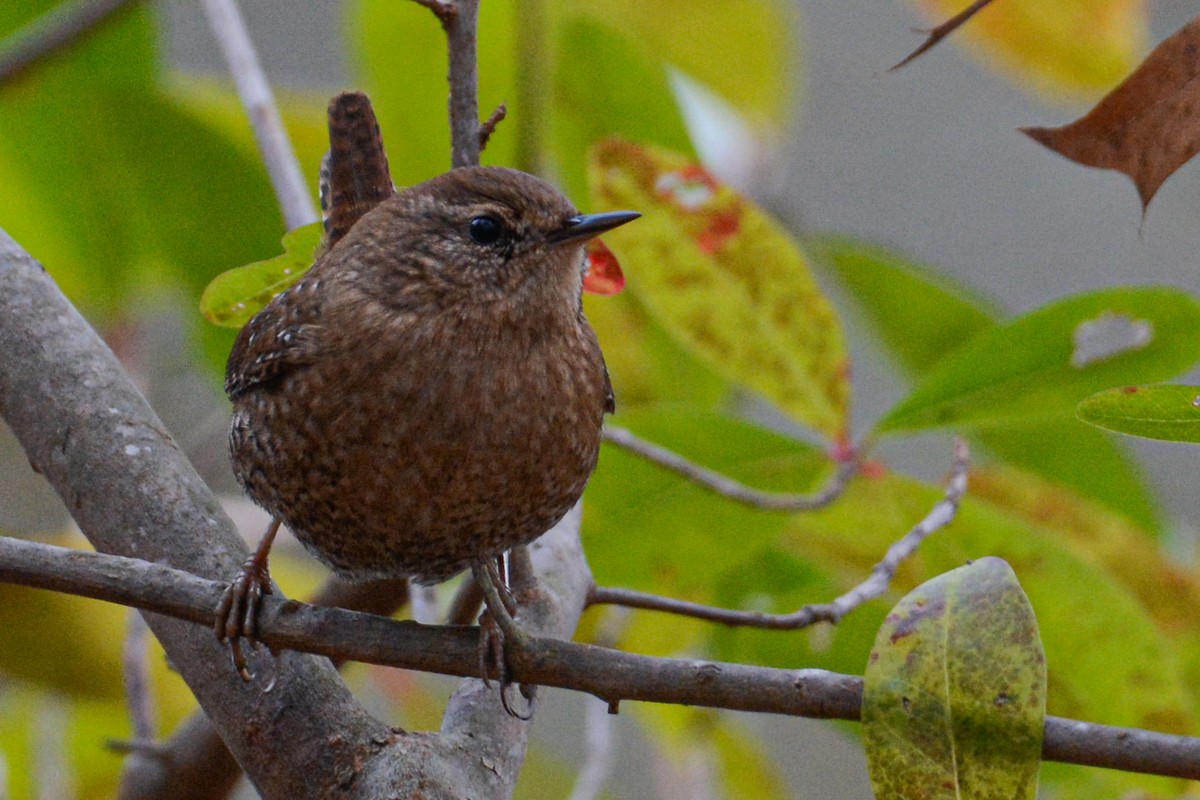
<point>429,394</point>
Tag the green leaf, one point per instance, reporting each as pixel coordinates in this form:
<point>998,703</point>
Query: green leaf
<point>725,281</point>
<point>1170,412</point>
<point>235,296</point>
<point>1081,458</point>
<point>606,85</point>
<point>954,694</point>
<point>741,49</point>
<point>1123,666</point>
<point>1168,591</point>
<point>117,187</point>
<point>646,365</point>
<point>920,315</point>
<point>1043,363</point>
<point>648,528</point>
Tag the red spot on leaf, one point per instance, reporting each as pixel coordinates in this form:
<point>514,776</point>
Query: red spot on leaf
<point>1129,390</point>
<point>722,226</point>
<point>692,190</point>
<point>602,274</point>
<point>689,187</point>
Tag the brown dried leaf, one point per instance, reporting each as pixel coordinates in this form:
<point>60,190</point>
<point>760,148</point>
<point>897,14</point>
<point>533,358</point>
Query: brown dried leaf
<point>1147,127</point>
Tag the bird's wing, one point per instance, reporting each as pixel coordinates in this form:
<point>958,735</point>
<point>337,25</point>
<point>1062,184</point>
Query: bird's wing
<point>278,340</point>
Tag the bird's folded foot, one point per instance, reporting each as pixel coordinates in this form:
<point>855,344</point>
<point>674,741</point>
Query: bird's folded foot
<point>237,613</point>
<point>499,634</point>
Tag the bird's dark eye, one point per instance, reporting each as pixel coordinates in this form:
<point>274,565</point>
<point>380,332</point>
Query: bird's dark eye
<point>486,230</point>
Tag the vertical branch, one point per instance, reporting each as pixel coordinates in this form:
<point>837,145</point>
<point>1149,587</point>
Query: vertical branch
<point>460,20</point>
<point>462,35</point>
<point>137,679</point>
<point>229,28</point>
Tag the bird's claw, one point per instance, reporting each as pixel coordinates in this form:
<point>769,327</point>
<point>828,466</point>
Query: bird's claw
<point>492,661</point>
<point>238,611</point>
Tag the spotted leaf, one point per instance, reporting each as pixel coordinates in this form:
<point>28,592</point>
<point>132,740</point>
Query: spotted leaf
<point>726,281</point>
<point>954,694</point>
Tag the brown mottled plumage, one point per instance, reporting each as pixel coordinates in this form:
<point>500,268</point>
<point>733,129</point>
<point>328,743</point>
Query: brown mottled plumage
<point>430,393</point>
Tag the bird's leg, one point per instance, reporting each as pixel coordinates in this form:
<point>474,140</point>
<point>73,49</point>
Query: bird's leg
<point>237,613</point>
<point>498,599</point>
<point>498,630</point>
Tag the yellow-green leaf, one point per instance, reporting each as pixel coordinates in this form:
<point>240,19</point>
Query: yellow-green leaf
<point>725,281</point>
<point>954,694</point>
<point>1072,47</point>
<point>742,49</point>
<point>235,296</point>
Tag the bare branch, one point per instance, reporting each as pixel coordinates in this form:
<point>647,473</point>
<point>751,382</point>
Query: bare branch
<point>57,29</point>
<point>90,433</point>
<point>598,721</point>
<point>461,34</point>
<point>489,125</point>
<point>942,31</point>
<point>193,764</point>
<point>137,678</point>
<point>728,487</point>
<point>445,10</point>
<point>874,586</point>
<point>230,30</point>
<point>460,20</point>
<point>608,674</point>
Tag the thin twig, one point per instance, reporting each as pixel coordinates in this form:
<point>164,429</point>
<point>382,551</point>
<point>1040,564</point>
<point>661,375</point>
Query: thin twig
<point>874,586</point>
<point>57,29</point>
<point>728,487</point>
<point>942,31</point>
<point>137,679</point>
<point>608,674</point>
<point>599,721</point>
<point>229,28</point>
<point>489,125</point>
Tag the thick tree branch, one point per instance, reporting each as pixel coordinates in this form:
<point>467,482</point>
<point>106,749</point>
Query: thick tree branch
<point>229,28</point>
<point>193,763</point>
<point>609,674</point>
<point>88,430</point>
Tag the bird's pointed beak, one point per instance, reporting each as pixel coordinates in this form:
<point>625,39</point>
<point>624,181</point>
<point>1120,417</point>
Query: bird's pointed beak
<point>586,226</point>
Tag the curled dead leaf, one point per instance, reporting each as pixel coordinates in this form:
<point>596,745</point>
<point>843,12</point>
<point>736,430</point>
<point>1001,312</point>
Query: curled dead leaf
<point>1147,127</point>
